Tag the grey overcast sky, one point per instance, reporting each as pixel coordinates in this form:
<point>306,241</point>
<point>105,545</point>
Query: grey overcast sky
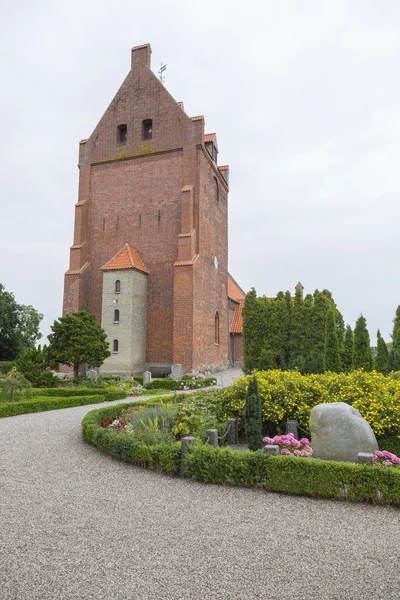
<point>304,96</point>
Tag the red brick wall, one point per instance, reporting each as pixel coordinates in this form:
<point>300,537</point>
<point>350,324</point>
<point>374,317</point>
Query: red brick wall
<point>210,284</point>
<point>132,193</point>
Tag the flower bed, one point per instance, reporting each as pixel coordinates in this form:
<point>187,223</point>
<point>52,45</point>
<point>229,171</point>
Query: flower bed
<point>289,446</point>
<point>283,474</point>
<point>290,395</point>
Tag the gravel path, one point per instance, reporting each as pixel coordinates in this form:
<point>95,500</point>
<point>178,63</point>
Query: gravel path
<point>77,524</point>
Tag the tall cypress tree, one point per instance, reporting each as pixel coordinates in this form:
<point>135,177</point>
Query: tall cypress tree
<point>348,350</point>
<point>382,355</point>
<point>362,346</point>
<point>253,330</point>
<point>394,357</point>
<point>331,348</point>
<point>252,416</point>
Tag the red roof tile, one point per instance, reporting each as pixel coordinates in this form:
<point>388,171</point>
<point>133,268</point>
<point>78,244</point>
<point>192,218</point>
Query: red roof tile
<point>77,271</point>
<point>223,168</point>
<point>209,137</point>
<point>126,258</point>
<point>186,263</point>
<point>234,290</point>
<point>237,322</point>
<point>198,118</point>
<point>187,188</point>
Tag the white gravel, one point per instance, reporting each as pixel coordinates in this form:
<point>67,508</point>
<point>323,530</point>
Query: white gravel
<point>77,524</point>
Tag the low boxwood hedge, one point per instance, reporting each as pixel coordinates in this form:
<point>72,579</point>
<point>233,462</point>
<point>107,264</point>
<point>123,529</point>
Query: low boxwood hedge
<point>292,475</point>
<point>171,384</point>
<point>68,392</point>
<point>160,457</point>
<point>283,474</point>
<point>40,404</point>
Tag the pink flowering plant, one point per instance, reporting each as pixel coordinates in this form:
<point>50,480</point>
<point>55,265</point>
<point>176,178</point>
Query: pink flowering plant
<point>290,446</point>
<point>386,459</point>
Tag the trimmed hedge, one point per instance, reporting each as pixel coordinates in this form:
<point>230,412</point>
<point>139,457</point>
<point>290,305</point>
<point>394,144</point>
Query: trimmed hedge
<point>40,404</point>
<point>171,384</point>
<point>292,475</point>
<point>162,457</point>
<point>68,392</point>
<point>283,474</point>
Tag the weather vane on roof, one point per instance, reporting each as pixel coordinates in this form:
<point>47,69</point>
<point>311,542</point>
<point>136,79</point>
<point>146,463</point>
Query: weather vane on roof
<point>161,72</point>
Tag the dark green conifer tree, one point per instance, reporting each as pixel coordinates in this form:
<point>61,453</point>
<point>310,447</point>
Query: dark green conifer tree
<point>253,417</point>
<point>254,330</point>
<point>382,356</point>
<point>266,361</point>
<point>348,350</point>
<point>362,346</point>
<point>394,356</point>
<point>331,348</point>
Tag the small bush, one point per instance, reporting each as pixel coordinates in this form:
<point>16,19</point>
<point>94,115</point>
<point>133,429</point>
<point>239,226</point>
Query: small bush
<point>15,387</point>
<point>138,379</point>
<point>32,364</point>
<point>161,417</point>
<point>6,366</point>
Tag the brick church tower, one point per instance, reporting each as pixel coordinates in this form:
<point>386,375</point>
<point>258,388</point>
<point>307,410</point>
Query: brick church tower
<point>152,202</point>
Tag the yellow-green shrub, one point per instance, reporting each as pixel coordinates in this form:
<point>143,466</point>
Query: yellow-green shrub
<point>290,395</point>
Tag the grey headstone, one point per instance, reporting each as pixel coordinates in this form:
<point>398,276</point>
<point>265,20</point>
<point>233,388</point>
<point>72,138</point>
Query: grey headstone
<point>185,443</point>
<point>365,458</point>
<point>60,376</point>
<point>271,449</point>
<point>91,374</point>
<point>146,377</point>
<point>176,372</point>
<point>293,427</point>
<point>339,432</point>
<point>212,437</point>
<point>232,435</point>
<point>120,386</point>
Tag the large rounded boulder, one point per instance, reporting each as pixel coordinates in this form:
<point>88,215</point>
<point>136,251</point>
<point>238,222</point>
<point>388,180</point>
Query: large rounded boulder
<point>339,432</point>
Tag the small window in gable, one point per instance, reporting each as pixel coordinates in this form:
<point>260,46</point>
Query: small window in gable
<point>216,189</point>
<point>116,316</point>
<point>147,129</point>
<point>217,328</point>
<point>122,134</point>
<point>115,346</point>
<point>117,286</point>
<point>214,153</point>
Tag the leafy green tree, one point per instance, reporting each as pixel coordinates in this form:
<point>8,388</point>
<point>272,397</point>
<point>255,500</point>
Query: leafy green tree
<point>362,346</point>
<point>32,364</point>
<point>19,326</point>
<point>394,357</point>
<point>331,348</point>
<point>382,355</point>
<point>348,350</point>
<point>78,339</point>
<point>15,387</point>
<point>252,416</point>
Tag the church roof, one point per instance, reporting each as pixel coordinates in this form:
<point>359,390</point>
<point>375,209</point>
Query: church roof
<point>237,321</point>
<point>234,290</point>
<point>236,293</point>
<point>209,137</point>
<point>126,258</point>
